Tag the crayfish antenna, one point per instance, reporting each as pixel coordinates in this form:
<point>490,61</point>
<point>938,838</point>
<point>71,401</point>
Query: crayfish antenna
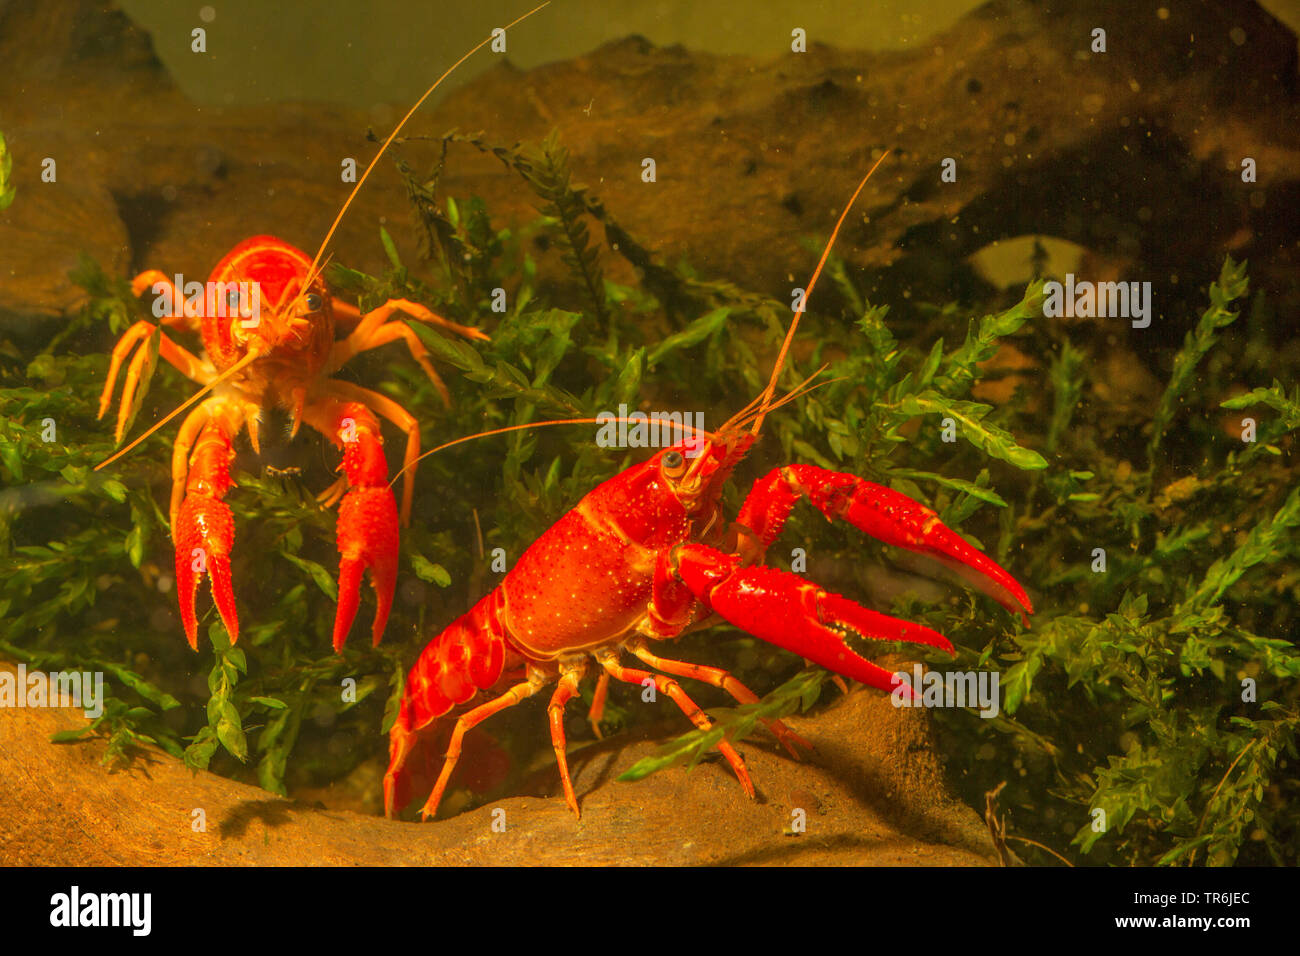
<point>243,363</point>
<point>312,271</point>
<point>316,266</point>
<point>768,392</point>
<point>525,426</point>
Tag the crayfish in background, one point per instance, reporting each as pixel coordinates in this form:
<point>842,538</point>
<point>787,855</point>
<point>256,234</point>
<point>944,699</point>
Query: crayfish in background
<point>280,354</point>
<point>649,555</point>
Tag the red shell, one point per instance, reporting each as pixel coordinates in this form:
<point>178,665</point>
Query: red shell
<point>278,269</point>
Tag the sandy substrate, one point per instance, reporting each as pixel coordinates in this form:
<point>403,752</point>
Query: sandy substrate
<point>873,795</point>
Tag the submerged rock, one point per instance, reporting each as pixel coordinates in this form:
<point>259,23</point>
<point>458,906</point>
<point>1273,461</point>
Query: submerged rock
<point>873,794</point>
<point>1134,154</point>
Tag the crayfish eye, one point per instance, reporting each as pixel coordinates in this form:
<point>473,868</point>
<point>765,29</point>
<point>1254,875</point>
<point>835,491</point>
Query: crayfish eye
<point>313,302</point>
<point>674,464</point>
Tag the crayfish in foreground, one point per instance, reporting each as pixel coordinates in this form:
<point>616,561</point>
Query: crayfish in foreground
<point>649,555</point>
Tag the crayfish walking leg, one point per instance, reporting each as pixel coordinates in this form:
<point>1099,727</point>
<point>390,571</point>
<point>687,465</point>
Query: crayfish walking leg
<point>535,682</point>
<point>723,680</point>
<point>665,685</point>
<point>565,691</point>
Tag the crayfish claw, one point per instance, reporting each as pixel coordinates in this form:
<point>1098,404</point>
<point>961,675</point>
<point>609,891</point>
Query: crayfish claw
<point>367,538</point>
<point>204,538</point>
<point>790,612</point>
<point>897,520</point>
<point>203,526</point>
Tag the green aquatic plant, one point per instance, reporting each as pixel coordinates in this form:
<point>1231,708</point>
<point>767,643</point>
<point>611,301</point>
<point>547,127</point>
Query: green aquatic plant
<point>1148,697</point>
<point>1125,696</point>
<point>1231,286</point>
<point>799,694</point>
<point>7,188</point>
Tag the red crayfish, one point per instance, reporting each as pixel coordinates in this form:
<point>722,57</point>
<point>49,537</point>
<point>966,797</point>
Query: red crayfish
<point>647,556</point>
<point>279,350</point>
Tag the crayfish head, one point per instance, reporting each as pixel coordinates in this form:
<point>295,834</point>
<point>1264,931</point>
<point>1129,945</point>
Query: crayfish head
<point>308,316</point>
<point>268,307</point>
<point>697,468</point>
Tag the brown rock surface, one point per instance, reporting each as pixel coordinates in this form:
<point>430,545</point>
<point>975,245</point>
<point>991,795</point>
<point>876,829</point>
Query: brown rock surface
<point>873,792</point>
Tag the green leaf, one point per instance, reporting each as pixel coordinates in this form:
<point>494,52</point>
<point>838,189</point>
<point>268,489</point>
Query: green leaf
<point>426,570</point>
<point>689,747</point>
<point>971,488</point>
<point>155,695</point>
<point>232,738</point>
<point>236,656</point>
<point>696,332</point>
<point>393,706</point>
<point>931,365</point>
<point>800,692</point>
<point>271,702</point>
<point>1019,681</point>
<point>390,248</point>
<point>1232,284</point>
<point>961,369</point>
<point>202,748</point>
<point>7,190</point>
<point>12,458</point>
<point>135,545</point>
<point>1287,406</point>
<point>114,489</point>
<point>70,736</point>
<point>324,580</point>
<point>1264,544</point>
<point>969,417</point>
